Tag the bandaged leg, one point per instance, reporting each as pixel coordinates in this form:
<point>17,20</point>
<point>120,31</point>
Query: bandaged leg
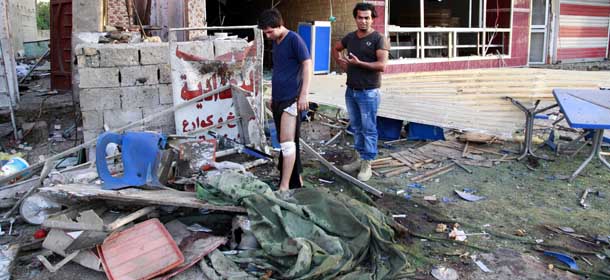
<point>288,148</point>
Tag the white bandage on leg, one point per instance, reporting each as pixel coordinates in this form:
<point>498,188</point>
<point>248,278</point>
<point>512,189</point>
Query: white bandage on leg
<point>288,148</point>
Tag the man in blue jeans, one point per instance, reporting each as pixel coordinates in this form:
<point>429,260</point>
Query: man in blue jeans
<point>366,58</point>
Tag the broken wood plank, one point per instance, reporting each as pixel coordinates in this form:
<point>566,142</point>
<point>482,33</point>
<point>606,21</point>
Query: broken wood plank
<point>55,268</point>
<point>403,160</point>
<point>136,196</point>
<point>465,152</point>
<point>397,172</point>
<point>427,178</point>
<point>129,218</point>
<point>393,164</point>
<point>433,172</point>
<point>462,166</point>
<point>377,161</point>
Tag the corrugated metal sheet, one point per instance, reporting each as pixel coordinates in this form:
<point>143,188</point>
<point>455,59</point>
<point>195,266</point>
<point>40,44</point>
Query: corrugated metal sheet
<point>464,99</point>
<point>583,29</point>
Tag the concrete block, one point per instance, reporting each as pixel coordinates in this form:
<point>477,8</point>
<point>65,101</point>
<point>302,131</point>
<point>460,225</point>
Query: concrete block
<point>93,120</point>
<point>99,99</point>
<point>163,121</point>
<point>226,46</point>
<point>154,53</point>
<point>118,55</point>
<point>90,134</point>
<point>139,97</point>
<point>85,61</point>
<point>139,75</point>
<point>165,74</point>
<point>119,118</point>
<point>98,77</point>
<point>165,95</point>
<point>90,51</point>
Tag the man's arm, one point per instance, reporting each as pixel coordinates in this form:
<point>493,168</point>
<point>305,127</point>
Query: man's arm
<point>307,71</point>
<point>382,58</point>
<point>336,53</point>
<point>379,65</point>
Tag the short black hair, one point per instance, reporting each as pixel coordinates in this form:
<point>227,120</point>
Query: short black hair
<point>270,18</point>
<point>365,7</point>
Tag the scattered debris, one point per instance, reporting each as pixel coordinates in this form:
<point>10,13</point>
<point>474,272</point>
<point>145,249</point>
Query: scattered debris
<point>468,196</point>
<point>444,273</point>
<point>520,232</point>
<point>563,258</point>
<point>583,198</point>
<point>123,253</point>
<point>440,228</point>
<point>458,235</point>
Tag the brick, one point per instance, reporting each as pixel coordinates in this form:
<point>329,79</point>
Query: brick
<point>154,53</point>
<point>165,95</point>
<point>118,55</point>
<point>139,97</point>
<point>226,46</point>
<point>165,74</point>
<point>139,75</point>
<point>99,99</point>
<point>98,77</point>
<point>93,120</point>
<point>119,118</point>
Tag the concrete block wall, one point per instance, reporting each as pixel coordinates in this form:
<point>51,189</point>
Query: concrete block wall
<point>123,83</point>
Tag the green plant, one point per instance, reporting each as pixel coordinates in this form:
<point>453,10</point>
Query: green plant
<point>43,15</point>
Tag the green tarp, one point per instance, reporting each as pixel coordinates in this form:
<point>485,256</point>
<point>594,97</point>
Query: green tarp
<point>313,234</point>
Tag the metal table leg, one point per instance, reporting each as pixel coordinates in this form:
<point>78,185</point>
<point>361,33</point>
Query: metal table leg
<point>530,114</point>
<point>598,139</point>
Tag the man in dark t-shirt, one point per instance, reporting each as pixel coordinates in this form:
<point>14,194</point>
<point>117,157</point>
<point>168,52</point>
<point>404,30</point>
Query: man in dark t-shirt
<point>292,70</point>
<point>366,58</point>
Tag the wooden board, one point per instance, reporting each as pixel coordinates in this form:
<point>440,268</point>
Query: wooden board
<point>136,196</point>
<point>463,99</point>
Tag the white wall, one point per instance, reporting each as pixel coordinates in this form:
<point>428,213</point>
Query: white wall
<point>22,15</point>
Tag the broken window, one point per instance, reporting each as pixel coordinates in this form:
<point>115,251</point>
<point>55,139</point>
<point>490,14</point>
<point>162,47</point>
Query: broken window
<point>449,28</point>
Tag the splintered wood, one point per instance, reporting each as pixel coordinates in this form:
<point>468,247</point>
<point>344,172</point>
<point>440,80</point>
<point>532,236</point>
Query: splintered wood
<point>437,158</point>
<point>400,162</point>
<point>465,99</point>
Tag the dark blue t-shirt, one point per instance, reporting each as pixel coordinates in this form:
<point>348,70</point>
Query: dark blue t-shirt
<point>287,67</point>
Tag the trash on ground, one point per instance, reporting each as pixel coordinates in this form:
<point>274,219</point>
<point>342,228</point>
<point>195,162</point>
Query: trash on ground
<point>444,273</point>
<point>563,258</point>
<point>468,196</point>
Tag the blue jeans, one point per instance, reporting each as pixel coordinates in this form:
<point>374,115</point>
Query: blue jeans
<point>362,108</point>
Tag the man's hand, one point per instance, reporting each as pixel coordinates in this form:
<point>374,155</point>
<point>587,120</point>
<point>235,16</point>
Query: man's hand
<point>353,60</point>
<point>302,103</point>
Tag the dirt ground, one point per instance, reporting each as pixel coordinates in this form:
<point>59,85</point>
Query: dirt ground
<point>517,198</point>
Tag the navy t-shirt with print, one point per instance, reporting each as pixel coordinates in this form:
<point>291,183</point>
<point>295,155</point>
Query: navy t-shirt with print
<point>288,57</point>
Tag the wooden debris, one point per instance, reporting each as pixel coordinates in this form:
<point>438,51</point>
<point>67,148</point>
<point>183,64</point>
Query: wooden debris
<point>397,171</point>
<point>129,218</point>
<point>462,166</point>
<point>137,196</point>
<point>433,173</point>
